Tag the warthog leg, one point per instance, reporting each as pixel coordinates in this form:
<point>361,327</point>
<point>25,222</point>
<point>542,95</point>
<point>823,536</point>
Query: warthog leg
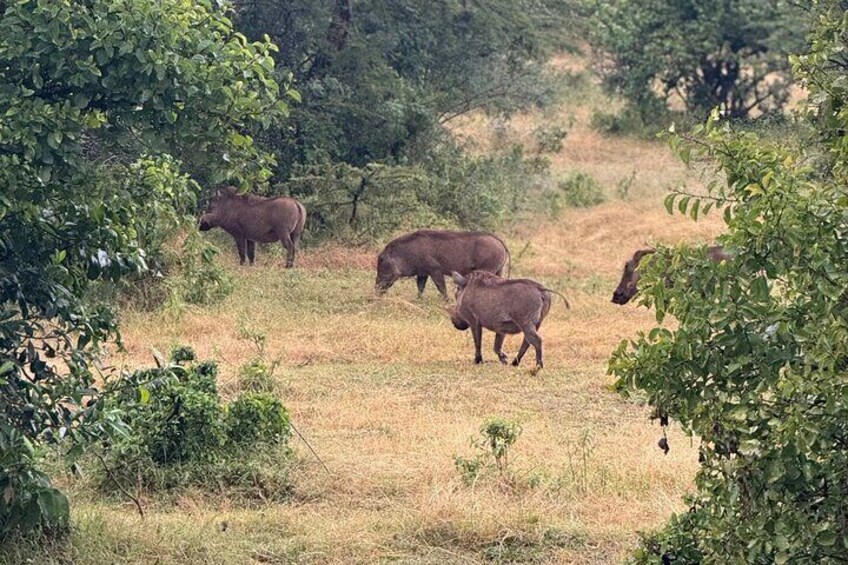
<point>531,337</point>
<point>241,244</point>
<point>499,339</point>
<point>289,245</point>
<point>439,281</point>
<point>251,251</point>
<point>421,281</point>
<point>521,351</point>
<point>477,333</point>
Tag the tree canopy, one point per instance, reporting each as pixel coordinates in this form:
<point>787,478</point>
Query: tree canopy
<point>703,53</point>
<point>378,76</point>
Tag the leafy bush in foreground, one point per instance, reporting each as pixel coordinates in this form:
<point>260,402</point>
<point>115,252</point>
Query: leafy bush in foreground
<point>90,91</point>
<point>756,364</point>
<point>182,434</point>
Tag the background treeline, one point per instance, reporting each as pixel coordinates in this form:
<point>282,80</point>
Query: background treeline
<point>367,147</point>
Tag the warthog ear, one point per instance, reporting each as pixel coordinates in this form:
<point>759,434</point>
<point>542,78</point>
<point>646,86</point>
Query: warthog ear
<point>459,279</point>
<point>227,191</point>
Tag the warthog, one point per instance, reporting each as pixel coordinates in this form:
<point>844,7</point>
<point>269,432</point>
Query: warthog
<point>250,218</point>
<point>434,254</point>
<point>627,288</point>
<point>504,306</point>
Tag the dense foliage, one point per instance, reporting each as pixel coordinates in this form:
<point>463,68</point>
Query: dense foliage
<point>756,366</point>
<point>380,80</point>
<point>701,53</point>
<point>87,89</point>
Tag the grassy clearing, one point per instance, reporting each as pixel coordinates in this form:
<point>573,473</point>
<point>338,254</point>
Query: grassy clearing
<point>386,392</point>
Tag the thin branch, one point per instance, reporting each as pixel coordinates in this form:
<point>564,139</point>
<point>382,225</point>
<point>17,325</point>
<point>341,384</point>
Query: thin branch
<point>118,484</point>
<point>300,435</point>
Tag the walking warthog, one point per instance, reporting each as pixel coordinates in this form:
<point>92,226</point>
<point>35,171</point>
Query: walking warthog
<point>504,306</point>
<point>432,253</point>
<point>627,288</point>
<point>250,218</point>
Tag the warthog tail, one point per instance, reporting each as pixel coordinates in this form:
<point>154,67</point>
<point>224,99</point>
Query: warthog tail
<point>301,223</point>
<point>564,299</point>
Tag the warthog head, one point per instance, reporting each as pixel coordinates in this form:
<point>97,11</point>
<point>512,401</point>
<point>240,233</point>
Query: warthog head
<point>387,272</point>
<point>453,311</point>
<point>627,288</point>
<point>211,219</point>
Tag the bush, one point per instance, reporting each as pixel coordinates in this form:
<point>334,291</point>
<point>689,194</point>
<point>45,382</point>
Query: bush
<point>449,187</point>
<point>256,375</point>
<point>257,417</point>
<point>628,121</point>
<point>195,275</point>
<point>179,429</point>
<point>754,364</point>
<point>549,138</point>
<point>581,190</point>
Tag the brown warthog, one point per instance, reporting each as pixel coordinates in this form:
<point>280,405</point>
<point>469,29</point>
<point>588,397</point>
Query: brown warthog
<point>434,254</point>
<point>504,306</point>
<point>250,218</point>
<point>627,288</point>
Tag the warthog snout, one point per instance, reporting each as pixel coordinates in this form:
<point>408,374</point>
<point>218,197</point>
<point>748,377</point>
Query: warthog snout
<point>621,297</point>
<point>457,322</point>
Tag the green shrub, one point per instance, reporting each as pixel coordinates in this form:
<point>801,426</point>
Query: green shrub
<point>174,413</point>
<point>196,277</point>
<point>448,187</point>
<point>549,138</point>
<point>181,433</point>
<point>256,375</point>
<point>754,365</point>
<point>627,121</point>
<point>257,417</point>
<point>182,354</point>
<point>497,437</point>
<point>581,190</point>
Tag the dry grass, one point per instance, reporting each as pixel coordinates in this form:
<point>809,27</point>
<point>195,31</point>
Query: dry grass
<point>387,394</point>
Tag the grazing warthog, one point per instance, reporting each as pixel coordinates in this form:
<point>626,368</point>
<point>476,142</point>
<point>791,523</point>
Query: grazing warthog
<point>627,288</point>
<point>504,306</point>
<point>434,254</point>
<point>250,218</point>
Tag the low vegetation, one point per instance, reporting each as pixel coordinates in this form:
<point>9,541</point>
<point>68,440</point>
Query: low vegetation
<point>180,434</point>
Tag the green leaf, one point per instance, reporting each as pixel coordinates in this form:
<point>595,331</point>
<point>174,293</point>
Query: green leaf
<point>669,202</point>
<point>827,539</point>
<point>693,211</point>
<point>81,100</point>
<point>683,203</point>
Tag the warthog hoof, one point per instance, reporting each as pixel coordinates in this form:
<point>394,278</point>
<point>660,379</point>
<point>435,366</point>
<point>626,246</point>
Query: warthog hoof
<point>535,370</point>
<point>503,358</point>
<point>478,360</point>
<point>515,362</point>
